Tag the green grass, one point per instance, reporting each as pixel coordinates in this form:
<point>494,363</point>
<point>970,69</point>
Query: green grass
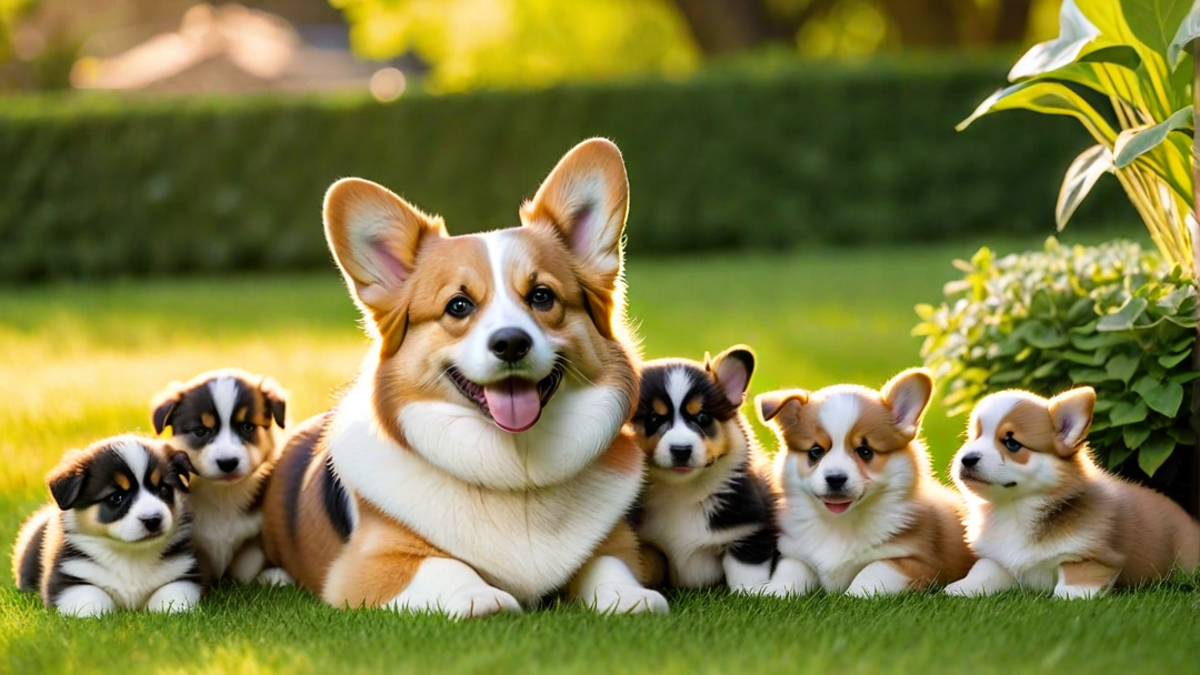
<point>81,362</point>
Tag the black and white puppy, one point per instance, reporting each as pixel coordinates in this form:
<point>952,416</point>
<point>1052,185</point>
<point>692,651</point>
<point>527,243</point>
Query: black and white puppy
<point>707,506</point>
<point>226,421</point>
<point>118,535</point>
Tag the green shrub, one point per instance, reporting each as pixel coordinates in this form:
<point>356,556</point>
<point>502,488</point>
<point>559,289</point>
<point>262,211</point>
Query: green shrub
<point>1112,316</point>
<point>802,156</point>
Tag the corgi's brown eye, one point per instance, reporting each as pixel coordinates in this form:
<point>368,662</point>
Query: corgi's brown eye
<point>865,452</point>
<point>1011,444</point>
<point>201,432</point>
<point>541,299</point>
<point>815,453</point>
<point>703,419</point>
<point>116,499</point>
<point>460,307</point>
<point>164,491</point>
<point>247,427</point>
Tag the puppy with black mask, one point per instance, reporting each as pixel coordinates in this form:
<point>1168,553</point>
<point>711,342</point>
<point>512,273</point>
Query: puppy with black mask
<point>118,534</point>
<point>226,420</point>
<point>707,506</point>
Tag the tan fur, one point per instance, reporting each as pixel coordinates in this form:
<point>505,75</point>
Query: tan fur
<point>937,537</point>
<point>306,558</point>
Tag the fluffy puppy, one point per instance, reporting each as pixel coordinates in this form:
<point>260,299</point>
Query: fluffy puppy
<point>226,421</point>
<point>707,506</point>
<point>862,511</point>
<point>118,534</point>
<point>1043,515</point>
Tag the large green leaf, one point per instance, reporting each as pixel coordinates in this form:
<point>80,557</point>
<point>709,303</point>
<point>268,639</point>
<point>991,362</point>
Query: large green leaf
<point>1134,435</point>
<point>1137,141</point>
<point>1124,318</point>
<point>1122,367</point>
<point>1189,30</point>
<point>1154,452</point>
<point>1051,98</point>
<point>1124,412</point>
<point>1162,397</point>
<point>1081,176</point>
<point>1075,33</point>
<point>1155,22</point>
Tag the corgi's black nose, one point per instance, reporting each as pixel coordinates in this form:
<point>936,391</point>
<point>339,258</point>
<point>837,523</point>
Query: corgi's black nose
<point>152,523</point>
<point>681,455</point>
<point>971,459</point>
<point>836,481</point>
<point>228,465</point>
<point>510,344</point>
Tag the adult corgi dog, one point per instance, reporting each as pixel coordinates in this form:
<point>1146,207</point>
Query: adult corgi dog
<point>862,511</point>
<point>477,464</point>
<point>226,420</point>
<point>118,534</point>
<point>708,507</point>
<point>1043,516</point>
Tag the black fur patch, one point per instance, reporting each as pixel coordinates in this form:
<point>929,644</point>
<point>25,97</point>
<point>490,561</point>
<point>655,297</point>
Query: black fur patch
<point>337,503</point>
<point>29,571</point>
<point>301,451</point>
<point>748,501</point>
<point>189,408</point>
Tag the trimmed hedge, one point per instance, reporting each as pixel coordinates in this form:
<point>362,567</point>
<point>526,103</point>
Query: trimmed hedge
<point>98,186</point>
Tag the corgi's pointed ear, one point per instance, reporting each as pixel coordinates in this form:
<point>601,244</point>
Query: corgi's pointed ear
<point>585,199</point>
<point>732,370</point>
<point>375,236</point>
<point>772,404</point>
<point>907,395</point>
<point>276,399</point>
<point>1071,414</point>
<point>163,406</point>
<point>66,479</point>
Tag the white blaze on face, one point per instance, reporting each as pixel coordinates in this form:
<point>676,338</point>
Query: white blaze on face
<point>145,506</point>
<point>510,389</point>
<point>680,435</point>
<point>226,448</point>
<point>837,414</point>
<point>998,475</point>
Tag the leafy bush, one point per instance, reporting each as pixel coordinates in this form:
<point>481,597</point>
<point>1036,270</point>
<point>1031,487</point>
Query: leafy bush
<point>1112,316</point>
<point>799,156</point>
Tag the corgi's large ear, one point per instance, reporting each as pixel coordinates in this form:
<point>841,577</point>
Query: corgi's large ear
<point>907,395</point>
<point>1071,414</point>
<point>775,403</point>
<point>163,406</point>
<point>375,236</point>
<point>732,370</point>
<point>586,200</point>
<point>276,399</point>
<point>66,479</point>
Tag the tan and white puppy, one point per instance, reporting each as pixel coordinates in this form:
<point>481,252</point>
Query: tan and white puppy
<point>477,464</point>
<point>862,511</point>
<point>1043,516</point>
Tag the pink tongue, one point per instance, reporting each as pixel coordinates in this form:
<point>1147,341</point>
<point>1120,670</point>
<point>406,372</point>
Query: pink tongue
<point>837,508</point>
<point>514,403</point>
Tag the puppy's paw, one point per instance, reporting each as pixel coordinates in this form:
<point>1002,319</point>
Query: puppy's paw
<point>178,596</point>
<point>1077,592</point>
<point>465,602</point>
<point>751,589</point>
<point>622,598</point>
<point>274,576</point>
<point>84,602</point>
<point>964,589</point>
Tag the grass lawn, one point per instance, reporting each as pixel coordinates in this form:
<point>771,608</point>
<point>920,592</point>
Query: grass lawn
<point>81,362</point>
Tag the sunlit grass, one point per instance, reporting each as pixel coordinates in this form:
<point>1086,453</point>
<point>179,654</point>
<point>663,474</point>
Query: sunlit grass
<point>81,362</point>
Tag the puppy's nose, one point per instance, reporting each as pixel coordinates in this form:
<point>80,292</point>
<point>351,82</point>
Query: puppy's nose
<point>971,459</point>
<point>228,465</point>
<point>836,481</point>
<point>681,455</point>
<point>510,344</point>
<point>152,523</point>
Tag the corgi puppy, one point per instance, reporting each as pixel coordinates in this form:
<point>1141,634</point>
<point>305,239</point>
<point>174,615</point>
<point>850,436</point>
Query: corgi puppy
<point>861,509</point>
<point>477,463</point>
<point>1043,516</point>
<point>707,506</point>
<point>226,421</point>
<point>118,534</point>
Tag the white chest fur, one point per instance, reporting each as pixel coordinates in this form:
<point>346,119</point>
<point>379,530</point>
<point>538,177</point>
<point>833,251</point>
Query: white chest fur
<point>222,524</point>
<point>676,521</point>
<point>130,576</point>
<point>525,541</point>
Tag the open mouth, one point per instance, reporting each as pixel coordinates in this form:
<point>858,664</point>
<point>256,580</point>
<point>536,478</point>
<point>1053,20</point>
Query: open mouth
<point>514,404</point>
<point>972,479</point>
<point>837,505</point>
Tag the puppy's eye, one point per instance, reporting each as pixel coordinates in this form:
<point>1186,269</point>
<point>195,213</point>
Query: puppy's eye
<point>165,491</point>
<point>541,299</point>
<point>248,427</point>
<point>703,419</point>
<point>1012,444</point>
<point>815,453</point>
<point>116,499</point>
<point>201,432</point>
<point>460,307</point>
<point>865,452</point>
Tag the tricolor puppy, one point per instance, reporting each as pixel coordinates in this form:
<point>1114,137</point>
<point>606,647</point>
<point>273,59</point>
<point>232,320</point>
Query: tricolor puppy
<point>477,463</point>
<point>708,507</point>
<point>118,534</point>
<point>226,421</point>
<point>862,511</point>
<point>1045,517</point>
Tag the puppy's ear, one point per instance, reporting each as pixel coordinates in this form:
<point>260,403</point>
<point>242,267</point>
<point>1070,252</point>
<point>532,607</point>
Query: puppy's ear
<point>375,237</point>
<point>772,404</point>
<point>907,395</point>
<point>585,199</point>
<point>180,469</point>
<point>732,370</point>
<point>164,406</point>
<point>67,478</point>
<point>276,399</point>
<point>1071,414</point>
